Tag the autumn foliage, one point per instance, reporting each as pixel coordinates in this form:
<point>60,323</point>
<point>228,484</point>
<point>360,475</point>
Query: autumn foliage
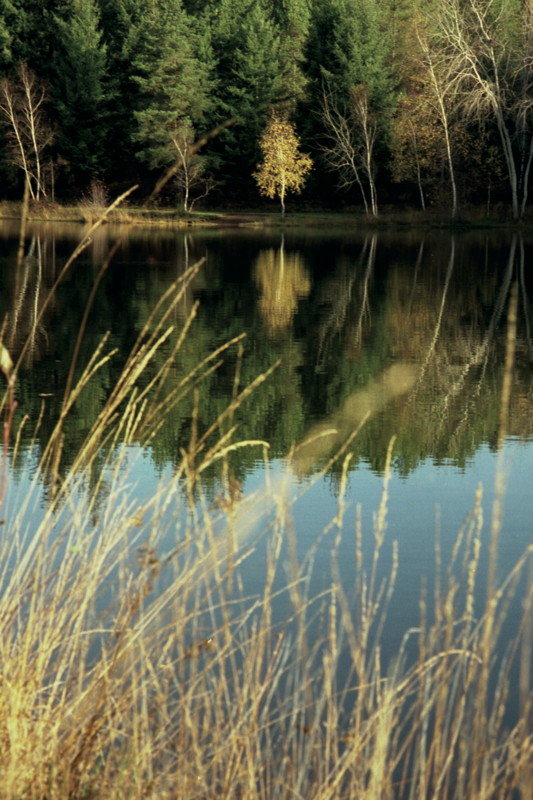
<point>283,168</point>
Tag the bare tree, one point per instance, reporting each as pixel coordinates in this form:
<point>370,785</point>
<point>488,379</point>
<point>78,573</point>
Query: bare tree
<point>22,106</point>
<point>407,154</point>
<point>190,175</point>
<point>442,91</point>
<point>415,149</point>
<point>351,130</point>
<point>366,123</point>
<point>486,47</point>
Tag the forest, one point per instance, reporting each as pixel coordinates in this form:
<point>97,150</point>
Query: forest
<point>419,104</point>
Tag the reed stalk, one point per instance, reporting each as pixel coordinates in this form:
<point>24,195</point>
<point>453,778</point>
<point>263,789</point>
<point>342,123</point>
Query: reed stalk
<point>134,665</point>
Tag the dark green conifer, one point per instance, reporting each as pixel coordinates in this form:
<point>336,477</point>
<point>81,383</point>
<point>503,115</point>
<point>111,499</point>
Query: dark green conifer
<point>249,67</point>
<point>6,38</point>
<point>80,91</point>
<point>173,81</point>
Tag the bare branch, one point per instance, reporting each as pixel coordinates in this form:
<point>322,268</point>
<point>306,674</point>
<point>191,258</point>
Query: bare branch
<point>350,137</point>
<point>22,106</point>
<point>484,51</point>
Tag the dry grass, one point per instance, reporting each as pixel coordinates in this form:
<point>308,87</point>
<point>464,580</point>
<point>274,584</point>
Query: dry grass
<point>90,206</point>
<point>94,204</point>
<point>132,665</point>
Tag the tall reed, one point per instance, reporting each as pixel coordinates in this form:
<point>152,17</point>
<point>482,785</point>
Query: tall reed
<point>133,665</point>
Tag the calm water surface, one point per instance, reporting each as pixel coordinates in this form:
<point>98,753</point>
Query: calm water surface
<point>408,326</point>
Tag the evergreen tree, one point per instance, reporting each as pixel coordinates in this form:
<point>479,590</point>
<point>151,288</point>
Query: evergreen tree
<point>79,91</point>
<point>350,44</point>
<point>292,20</point>
<point>120,19</point>
<point>349,64</point>
<point>173,81</point>
<point>116,19</point>
<point>33,32</point>
<point>443,85</point>
<point>6,9</point>
<point>249,66</point>
<point>195,7</point>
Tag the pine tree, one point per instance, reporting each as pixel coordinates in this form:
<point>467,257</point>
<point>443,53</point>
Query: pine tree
<point>79,91</point>
<point>5,34</point>
<point>249,67</point>
<point>33,32</point>
<point>173,81</point>
<point>350,44</point>
<point>283,168</point>
<point>349,54</point>
<point>120,21</point>
<point>292,20</point>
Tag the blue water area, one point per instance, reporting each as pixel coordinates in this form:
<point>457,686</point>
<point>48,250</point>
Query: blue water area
<point>398,335</point>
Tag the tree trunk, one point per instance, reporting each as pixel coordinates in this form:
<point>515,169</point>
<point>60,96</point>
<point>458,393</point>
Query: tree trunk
<point>526,178</point>
<point>418,171</point>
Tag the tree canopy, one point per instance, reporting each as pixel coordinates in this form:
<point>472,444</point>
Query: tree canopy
<point>283,168</point>
<point>391,98</point>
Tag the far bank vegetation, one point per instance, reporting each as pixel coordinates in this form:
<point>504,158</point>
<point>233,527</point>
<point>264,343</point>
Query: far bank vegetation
<point>404,104</point>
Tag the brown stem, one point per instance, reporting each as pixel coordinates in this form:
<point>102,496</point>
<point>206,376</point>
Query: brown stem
<point>8,425</point>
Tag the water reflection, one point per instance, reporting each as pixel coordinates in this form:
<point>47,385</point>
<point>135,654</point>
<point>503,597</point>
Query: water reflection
<point>344,298</point>
<point>283,280</point>
<point>403,334</point>
<point>330,436</point>
<point>406,335</point>
<point>342,314</point>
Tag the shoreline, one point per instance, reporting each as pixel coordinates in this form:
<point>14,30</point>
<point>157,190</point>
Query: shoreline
<point>391,218</point>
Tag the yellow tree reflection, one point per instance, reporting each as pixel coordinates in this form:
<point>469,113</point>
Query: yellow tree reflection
<point>282,280</point>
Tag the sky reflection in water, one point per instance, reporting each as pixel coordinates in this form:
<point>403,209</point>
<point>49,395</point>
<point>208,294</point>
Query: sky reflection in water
<point>340,313</point>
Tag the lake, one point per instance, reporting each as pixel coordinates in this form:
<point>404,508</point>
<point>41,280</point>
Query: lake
<point>366,342</point>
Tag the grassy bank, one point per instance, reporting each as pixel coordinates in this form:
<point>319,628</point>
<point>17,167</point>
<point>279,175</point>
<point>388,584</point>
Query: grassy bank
<point>88,211</point>
<point>133,665</point>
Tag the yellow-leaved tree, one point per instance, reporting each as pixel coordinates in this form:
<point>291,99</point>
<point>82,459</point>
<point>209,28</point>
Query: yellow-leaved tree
<point>283,168</point>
